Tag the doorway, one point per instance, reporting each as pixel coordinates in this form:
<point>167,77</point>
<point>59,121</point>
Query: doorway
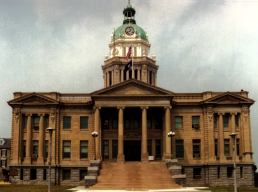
<point>132,150</point>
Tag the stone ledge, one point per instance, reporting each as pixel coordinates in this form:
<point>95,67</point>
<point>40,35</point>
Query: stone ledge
<point>90,180</point>
<point>181,176</point>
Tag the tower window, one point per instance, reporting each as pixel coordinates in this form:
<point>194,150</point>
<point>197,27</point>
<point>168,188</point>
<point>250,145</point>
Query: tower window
<point>110,77</point>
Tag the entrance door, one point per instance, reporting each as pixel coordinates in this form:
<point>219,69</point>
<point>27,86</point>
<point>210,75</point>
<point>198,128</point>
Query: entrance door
<point>132,150</point>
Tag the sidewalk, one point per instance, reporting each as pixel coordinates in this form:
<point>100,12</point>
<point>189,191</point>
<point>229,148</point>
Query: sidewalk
<point>186,189</point>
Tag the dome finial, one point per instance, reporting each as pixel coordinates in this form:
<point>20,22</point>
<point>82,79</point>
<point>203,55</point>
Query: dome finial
<point>129,3</point>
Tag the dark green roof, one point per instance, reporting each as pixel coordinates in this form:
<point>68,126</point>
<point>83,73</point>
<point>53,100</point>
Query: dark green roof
<point>120,31</point>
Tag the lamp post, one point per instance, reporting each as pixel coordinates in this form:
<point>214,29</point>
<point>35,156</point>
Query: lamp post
<point>171,134</point>
<point>50,130</point>
<point>233,136</point>
<point>94,134</point>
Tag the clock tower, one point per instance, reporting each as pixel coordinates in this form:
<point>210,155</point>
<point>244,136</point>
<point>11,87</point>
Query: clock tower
<point>129,34</point>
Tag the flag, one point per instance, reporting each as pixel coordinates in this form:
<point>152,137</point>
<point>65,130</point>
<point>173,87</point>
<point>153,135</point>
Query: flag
<point>129,53</point>
<point>129,65</point>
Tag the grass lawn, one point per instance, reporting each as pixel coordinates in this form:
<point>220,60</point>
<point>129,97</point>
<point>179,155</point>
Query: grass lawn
<point>230,189</point>
<point>32,188</point>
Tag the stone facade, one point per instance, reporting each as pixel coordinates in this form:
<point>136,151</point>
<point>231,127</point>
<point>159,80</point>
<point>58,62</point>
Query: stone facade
<point>5,147</point>
<point>132,117</point>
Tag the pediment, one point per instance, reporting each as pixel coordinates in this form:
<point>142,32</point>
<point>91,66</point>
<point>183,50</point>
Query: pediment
<point>229,98</point>
<point>33,99</point>
<point>132,88</point>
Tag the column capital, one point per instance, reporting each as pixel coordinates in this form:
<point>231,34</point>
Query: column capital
<point>28,114</point>
<point>221,113</point>
<point>96,107</point>
<point>145,107</point>
<point>120,107</point>
<point>233,113</point>
<point>168,107</point>
<point>41,114</point>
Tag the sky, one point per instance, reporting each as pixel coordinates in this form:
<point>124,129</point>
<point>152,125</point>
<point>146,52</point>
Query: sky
<point>60,45</point>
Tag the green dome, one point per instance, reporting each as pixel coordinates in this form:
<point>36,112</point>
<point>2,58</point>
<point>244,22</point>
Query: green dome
<point>120,32</point>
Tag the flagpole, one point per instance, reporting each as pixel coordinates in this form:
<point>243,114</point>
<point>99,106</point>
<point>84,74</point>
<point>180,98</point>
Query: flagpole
<point>132,68</point>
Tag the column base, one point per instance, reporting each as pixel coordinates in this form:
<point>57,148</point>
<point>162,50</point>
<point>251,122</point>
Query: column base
<point>144,157</point>
<point>27,160</point>
<point>40,160</point>
<point>120,158</point>
<point>167,156</point>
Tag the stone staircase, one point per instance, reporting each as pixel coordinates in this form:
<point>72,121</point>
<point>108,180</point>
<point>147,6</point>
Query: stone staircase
<point>134,176</point>
<point>175,169</point>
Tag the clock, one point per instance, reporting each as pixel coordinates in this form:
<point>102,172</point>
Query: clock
<point>129,30</point>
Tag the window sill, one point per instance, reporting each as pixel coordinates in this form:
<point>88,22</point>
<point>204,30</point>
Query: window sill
<point>66,159</point>
<point>66,129</point>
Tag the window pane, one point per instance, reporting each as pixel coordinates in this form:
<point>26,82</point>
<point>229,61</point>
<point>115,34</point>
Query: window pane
<point>196,148</point>
<point>179,122</point>
<point>226,147</point>
<point>66,149</point>
<point>84,122</point>
<point>179,148</point>
<point>67,122</point>
<point>196,122</point>
<point>83,149</point>
<point>35,122</point>
<point>226,120</point>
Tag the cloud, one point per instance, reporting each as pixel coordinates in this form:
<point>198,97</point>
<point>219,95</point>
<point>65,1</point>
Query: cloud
<point>60,45</point>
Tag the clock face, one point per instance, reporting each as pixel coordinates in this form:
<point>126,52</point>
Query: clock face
<point>129,30</point>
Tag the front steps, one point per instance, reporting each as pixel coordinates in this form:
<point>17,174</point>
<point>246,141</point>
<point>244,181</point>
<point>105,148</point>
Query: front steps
<point>175,170</point>
<point>134,176</point>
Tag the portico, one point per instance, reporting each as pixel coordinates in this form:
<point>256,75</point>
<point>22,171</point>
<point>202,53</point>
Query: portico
<point>134,121</point>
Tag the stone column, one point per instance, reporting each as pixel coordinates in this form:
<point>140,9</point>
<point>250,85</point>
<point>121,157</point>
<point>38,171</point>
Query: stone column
<point>127,74</point>
<point>245,125</point>
<point>144,135</point>
<point>221,137</point>
<point>28,140</point>
<point>233,122</point>
<point>97,128</point>
<point>122,75</point>
<point>210,130</point>
<point>120,156</point>
<point>167,154</point>
<point>139,74</point>
<point>41,139</point>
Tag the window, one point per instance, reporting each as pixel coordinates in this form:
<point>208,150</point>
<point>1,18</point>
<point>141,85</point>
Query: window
<point>67,122</point>
<point>84,122</point>
<point>66,174</point>
<point>35,147</point>
<point>114,149</point>
<point>46,149</point>
<point>178,122</point>
<point>218,172</point>
<point>216,147</point>
<point>215,120</point>
<point>46,121</point>
<point>237,120</point>
<point>196,148</point>
<point>83,173</point>
<point>21,173</point>
<point>230,171</point>
<point>149,147</point>
<point>33,174</point>
<point>196,122</point>
<point>83,149</point>
<point>226,147</point>
<point>197,173</point>
<point>115,124</point>
<point>24,121</point>
<point>241,171</point>
<point>35,123</point>
<point>44,174</point>
<point>179,148</point>
<point>226,121</point>
<point>238,147</point>
<point>66,149</point>
<point>105,149</point>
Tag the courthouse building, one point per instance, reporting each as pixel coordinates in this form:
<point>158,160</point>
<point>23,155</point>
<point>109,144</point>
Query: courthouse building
<point>132,116</point>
